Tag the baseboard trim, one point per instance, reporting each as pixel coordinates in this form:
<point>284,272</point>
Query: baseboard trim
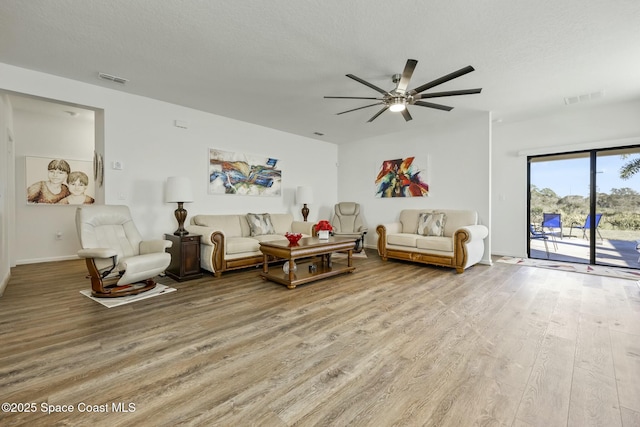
<point>51,259</point>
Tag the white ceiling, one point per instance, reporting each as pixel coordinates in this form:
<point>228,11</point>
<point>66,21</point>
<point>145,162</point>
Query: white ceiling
<point>271,62</point>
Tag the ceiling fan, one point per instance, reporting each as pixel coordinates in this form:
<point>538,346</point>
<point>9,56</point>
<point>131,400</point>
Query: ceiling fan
<point>397,99</point>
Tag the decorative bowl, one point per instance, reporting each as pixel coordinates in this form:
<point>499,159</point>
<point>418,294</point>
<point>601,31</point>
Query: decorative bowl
<point>293,237</point>
<point>286,267</point>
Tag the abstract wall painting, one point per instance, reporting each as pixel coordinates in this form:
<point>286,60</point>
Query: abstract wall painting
<point>401,178</point>
<point>243,174</point>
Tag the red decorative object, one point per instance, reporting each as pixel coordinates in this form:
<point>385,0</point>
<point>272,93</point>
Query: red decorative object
<point>324,225</point>
<point>293,238</point>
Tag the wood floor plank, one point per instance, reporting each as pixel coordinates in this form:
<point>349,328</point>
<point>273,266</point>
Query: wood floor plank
<point>548,389</point>
<point>626,362</point>
<point>594,400</point>
<point>393,343</point>
<point>630,418</point>
<point>593,346</point>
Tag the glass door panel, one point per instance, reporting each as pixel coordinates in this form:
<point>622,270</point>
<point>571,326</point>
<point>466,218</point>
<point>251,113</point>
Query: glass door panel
<point>615,228</point>
<point>559,194</point>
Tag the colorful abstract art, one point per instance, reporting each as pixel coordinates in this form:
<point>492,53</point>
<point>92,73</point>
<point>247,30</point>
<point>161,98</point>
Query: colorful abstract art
<point>401,178</point>
<point>242,174</point>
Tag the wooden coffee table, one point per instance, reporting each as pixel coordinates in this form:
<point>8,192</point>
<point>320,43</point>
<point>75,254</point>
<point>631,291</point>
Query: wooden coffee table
<point>307,247</point>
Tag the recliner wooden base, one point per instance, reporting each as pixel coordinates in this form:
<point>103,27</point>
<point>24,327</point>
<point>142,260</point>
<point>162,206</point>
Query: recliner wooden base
<point>108,288</point>
<point>123,290</point>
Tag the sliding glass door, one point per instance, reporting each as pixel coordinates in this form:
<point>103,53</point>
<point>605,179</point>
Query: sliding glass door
<point>585,207</point>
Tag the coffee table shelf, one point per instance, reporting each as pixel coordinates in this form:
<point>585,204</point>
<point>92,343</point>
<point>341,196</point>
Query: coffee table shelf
<point>309,247</point>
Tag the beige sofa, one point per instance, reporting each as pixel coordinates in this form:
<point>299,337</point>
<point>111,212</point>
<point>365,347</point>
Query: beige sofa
<point>229,242</point>
<point>457,243</point>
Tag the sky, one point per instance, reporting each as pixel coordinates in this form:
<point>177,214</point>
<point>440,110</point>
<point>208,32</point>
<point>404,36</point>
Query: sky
<point>571,176</point>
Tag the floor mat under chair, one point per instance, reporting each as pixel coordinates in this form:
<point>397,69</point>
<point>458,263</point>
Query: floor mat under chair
<point>599,270</point>
<point>160,289</point>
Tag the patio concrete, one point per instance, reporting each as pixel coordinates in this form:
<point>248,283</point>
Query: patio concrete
<point>619,253</point>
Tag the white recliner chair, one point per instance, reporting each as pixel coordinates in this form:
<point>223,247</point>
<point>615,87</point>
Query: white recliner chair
<point>347,221</point>
<point>120,263</point>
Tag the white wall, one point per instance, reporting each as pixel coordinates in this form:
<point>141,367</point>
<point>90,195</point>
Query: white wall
<point>140,133</point>
<point>458,169</point>
<point>571,129</point>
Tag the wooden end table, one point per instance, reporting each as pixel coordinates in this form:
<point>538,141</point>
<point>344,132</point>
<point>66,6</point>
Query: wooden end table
<point>307,247</point>
<point>185,257</point>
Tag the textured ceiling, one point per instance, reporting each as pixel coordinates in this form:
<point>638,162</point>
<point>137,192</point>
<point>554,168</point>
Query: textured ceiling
<point>271,62</point>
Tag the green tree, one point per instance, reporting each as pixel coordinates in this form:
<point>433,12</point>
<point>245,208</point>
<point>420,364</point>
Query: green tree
<point>630,168</point>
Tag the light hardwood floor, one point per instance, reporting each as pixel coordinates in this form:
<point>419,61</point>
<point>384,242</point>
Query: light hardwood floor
<point>391,344</point>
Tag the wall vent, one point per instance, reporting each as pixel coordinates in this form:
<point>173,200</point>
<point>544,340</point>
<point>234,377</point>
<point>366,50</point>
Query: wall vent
<point>116,79</point>
<point>570,100</point>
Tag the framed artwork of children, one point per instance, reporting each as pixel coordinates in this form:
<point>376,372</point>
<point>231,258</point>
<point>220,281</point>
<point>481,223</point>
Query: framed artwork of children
<point>51,181</point>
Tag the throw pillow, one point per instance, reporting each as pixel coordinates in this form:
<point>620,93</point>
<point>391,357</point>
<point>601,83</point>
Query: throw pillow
<point>432,224</point>
<point>260,224</point>
<point>422,222</point>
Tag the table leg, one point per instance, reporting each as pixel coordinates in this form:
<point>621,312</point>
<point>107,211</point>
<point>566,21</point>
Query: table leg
<point>265,264</point>
<point>291,268</point>
<point>349,253</point>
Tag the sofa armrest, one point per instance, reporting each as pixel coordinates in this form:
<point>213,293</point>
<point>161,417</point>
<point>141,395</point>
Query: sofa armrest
<point>206,233</point>
<point>382,230</point>
<point>215,238</point>
<point>392,227</point>
<point>469,245</point>
<point>302,227</point>
<point>475,232</point>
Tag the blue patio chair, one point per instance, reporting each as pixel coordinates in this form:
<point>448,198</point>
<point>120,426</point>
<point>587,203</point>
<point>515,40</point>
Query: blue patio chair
<point>552,222</point>
<point>540,235</point>
<point>586,226</point>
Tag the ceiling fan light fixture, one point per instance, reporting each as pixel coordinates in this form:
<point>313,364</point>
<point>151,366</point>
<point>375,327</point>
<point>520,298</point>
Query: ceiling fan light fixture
<point>397,105</point>
<point>396,100</point>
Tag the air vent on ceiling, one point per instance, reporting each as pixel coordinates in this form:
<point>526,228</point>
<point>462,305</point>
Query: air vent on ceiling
<point>116,79</point>
<point>570,100</point>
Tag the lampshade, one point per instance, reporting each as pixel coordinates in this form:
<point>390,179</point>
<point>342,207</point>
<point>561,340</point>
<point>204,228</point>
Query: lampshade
<point>178,189</point>
<point>304,195</point>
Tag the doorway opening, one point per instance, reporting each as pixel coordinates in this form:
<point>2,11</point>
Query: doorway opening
<point>48,129</point>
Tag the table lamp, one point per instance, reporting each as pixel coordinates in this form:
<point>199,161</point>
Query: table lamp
<point>178,190</point>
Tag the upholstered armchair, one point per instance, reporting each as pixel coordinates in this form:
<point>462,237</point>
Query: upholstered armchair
<point>119,262</point>
<point>347,221</point>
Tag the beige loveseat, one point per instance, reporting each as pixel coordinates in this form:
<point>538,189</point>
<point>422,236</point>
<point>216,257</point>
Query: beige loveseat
<point>450,238</point>
<point>229,242</point>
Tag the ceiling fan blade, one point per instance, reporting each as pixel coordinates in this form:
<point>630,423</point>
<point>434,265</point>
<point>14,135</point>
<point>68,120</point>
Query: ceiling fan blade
<point>406,75</point>
<point>377,114</point>
<point>372,86</point>
<point>351,97</point>
<point>443,79</point>
<point>406,115</point>
<point>432,105</point>
<point>360,108</point>
<point>447,93</point>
